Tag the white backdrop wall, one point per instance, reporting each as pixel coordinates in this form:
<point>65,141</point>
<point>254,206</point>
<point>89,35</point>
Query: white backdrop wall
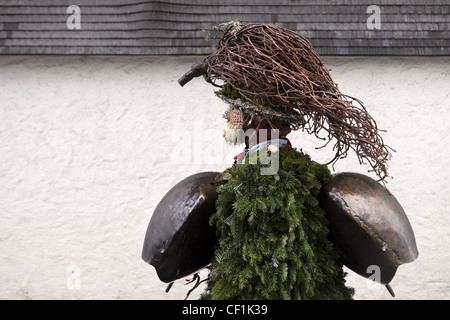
<point>89,145</point>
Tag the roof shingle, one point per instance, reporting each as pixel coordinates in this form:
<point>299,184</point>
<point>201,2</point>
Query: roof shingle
<point>336,27</point>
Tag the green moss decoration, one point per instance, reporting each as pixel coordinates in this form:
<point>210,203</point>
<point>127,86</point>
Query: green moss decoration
<point>273,235</point>
<point>261,103</point>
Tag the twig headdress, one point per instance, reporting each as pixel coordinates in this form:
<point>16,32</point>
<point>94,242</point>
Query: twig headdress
<point>275,72</point>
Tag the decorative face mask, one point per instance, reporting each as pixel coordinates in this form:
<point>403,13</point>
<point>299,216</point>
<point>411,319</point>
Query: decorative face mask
<point>234,131</point>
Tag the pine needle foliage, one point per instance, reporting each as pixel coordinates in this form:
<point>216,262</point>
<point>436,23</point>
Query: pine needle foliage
<point>273,235</point>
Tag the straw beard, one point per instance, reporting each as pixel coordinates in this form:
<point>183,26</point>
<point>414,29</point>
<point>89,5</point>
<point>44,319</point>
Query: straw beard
<point>234,133</point>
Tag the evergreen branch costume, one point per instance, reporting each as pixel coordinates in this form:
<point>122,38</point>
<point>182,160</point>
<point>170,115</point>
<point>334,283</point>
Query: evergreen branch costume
<point>272,240</point>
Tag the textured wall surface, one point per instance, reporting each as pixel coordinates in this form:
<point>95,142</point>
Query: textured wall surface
<point>89,145</point>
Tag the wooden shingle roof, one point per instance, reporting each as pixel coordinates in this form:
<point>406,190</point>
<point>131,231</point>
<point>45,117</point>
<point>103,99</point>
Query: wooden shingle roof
<point>334,27</point>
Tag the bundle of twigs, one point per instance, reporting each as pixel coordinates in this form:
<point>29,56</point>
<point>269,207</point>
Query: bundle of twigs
<point>278,71</point>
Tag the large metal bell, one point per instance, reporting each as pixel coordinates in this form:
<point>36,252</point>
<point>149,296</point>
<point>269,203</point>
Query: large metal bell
<point>368,225</point>
<point>179,240</point>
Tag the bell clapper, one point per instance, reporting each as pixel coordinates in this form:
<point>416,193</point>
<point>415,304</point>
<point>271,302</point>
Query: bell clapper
<point>391,291</point>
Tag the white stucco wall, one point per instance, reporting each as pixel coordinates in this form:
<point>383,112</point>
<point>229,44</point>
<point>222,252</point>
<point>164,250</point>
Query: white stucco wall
<point>87,149</point>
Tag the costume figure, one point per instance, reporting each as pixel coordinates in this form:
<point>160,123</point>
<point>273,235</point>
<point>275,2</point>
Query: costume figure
<point>276,224</point>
